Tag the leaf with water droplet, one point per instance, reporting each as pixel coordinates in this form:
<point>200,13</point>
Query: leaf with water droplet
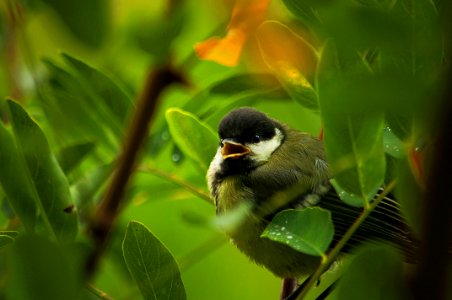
<point>351,198</point>
<point>393,145</point>
<point>308,230</point>
<point>353,133</point>
<point>193,137</point>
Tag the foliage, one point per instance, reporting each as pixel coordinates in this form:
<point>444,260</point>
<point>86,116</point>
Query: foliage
<point>152,266</point>
<point>365,75</point>
<point>300,230</point>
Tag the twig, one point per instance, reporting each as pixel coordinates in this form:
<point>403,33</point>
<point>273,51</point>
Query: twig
<point>157,81</point>
<point>14,25</point>
<point>330,258</point>
<point>174,179</point>
<point>97,292</point>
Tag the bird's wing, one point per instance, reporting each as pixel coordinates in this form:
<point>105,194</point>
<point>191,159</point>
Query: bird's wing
<point>384,223</point>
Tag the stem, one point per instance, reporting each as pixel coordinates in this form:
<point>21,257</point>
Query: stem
<point>14,24</point>
<point>180,182</point>
<point>101,225</point>
<point>325,264</point>
<point>97,292</point>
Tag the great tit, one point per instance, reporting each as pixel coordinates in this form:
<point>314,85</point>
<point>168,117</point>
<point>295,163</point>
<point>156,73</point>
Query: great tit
<point>259,157</point>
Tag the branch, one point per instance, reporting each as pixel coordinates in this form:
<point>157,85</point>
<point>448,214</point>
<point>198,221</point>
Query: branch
<point>101,225</point>
<point>176,180</point>
<point>99,293</point>
<point>14,26</point>
<point>430,279</point>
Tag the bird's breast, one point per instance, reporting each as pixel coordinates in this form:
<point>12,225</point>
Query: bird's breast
<point>231,193</point>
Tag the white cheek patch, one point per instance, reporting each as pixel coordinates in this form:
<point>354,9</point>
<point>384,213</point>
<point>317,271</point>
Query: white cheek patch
<point>262,151</point>
<point>215,167</point>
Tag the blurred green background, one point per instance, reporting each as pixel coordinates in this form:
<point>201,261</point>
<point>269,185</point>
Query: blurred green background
<point>78,67</point>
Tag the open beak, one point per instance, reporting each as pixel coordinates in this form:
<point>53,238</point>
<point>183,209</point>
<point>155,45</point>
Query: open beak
<point>234,150</point>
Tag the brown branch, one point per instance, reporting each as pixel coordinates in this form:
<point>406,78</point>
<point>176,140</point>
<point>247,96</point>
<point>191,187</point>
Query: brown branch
<point>14,26</point>
<point>107,213</point>
<point>430,279</point>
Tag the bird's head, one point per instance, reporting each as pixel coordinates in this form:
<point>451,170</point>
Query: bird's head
<point>247,140</point>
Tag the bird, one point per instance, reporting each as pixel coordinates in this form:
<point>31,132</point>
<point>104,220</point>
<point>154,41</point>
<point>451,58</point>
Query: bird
<point>258,158</point>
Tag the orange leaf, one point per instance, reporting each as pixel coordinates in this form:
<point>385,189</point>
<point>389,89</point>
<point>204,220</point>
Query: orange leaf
<point>225,51</point>
<point>246,16</point>
<point>417,167</point>
<point>286,53</point>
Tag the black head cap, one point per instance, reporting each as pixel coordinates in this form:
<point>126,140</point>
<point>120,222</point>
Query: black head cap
<point>247,125</point>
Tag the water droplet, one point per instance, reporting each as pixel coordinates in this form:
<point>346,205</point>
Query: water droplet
<point>165,136</point>
<point>175,157</point>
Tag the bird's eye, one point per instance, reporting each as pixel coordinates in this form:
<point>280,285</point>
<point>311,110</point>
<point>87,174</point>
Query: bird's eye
<point>256,138</point>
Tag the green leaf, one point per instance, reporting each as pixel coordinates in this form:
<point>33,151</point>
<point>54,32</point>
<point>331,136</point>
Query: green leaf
<point>308,230</point>
<point>409,194</point>
<point>5,240</point>
<point>303,94</point>
<point>11,234</point>
<point>102,89</point>
<point>84,190</point>
<point>420,51</point>
<point>151,264</point>
<point>94,13</point>
<point>74,112</point>
<point>71,156</point>
<point>420,59</point>
<point>349,198</point>
<point>354,146</point>
<point>40,270</point>
<point>353,133</point>
<point>357,27</point>
<point>393,145</point>
<point>48,179</point>
<point>192,136</point>
<point>16,182</point>
<point>374,273</point>
<point>244,83</point>
<point>306,11</point>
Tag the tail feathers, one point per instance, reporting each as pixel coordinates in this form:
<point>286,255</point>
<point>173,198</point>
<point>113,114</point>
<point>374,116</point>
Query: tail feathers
<point>384,223</point>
